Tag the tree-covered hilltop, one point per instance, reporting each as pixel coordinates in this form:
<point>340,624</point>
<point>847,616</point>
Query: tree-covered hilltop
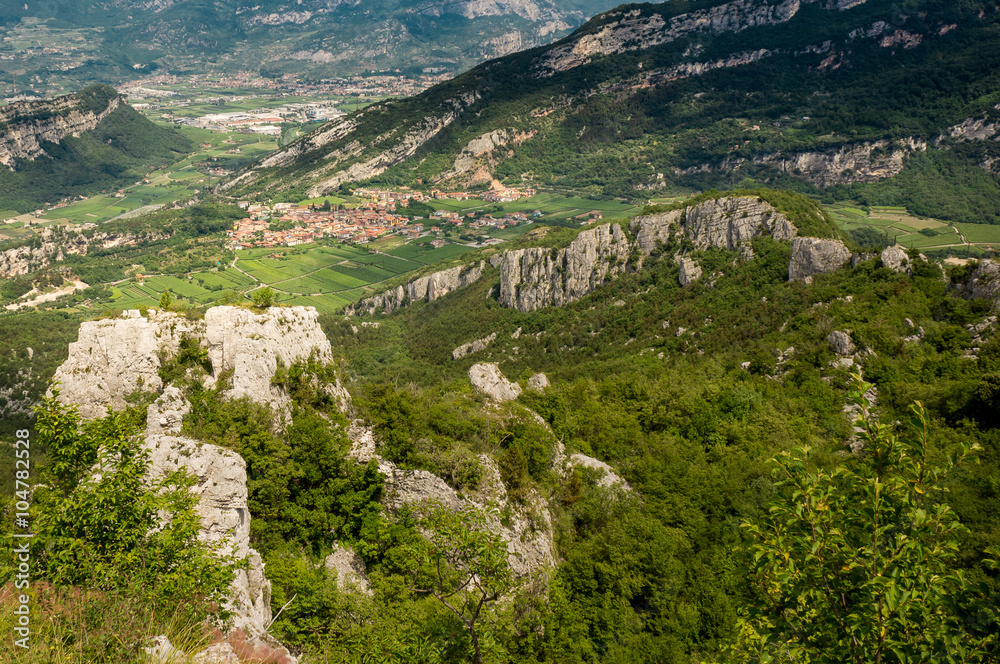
<point>79,144</point>
<point>866,103</point>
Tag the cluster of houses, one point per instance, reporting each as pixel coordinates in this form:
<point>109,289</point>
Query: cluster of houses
<point>308,224</point>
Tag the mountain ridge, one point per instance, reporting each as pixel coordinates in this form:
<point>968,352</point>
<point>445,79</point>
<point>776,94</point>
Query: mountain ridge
<point>803,102</point>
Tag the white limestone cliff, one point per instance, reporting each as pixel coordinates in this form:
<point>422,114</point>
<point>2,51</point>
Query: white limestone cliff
<point>535,278</point>
<point>812,256</point>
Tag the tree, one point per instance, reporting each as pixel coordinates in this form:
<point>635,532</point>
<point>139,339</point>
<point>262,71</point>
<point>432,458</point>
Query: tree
<point>166,300</point>
<point>855,564</point>
<point>102,523</point>
<point>263,298</point>
<point>463,565</point>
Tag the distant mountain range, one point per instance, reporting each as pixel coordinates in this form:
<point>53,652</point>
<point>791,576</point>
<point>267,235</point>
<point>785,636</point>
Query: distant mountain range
<point>116,38</point>
<point>849,98</point>
<point>77,144</point>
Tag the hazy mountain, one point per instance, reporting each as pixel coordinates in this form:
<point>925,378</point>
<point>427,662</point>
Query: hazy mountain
<point>317,37</point>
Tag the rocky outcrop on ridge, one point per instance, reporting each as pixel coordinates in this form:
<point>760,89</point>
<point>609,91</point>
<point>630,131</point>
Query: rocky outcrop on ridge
<point>473,346</point>
<point>423,289</point>
<point>221,487</point>
<point>729,222</point>
<point>535,278</point>
<point>252,345</point>
<point>27,125</point>
<point>115,357</point>
<point>812,256</point>
<point>487,379</point>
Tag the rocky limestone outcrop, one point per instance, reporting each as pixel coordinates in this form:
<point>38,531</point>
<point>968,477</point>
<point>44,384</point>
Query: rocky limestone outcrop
<point>690,271</point>
<point>895,258</point>
<point>538,382</point>
<point>527,530</point>
<point>473,346</point>
<point>487,379</point>
<point>221,487</point>
<point>350,569</point>
<point>53,247</point>
<point>441,283</point>
<point>534,278</point>
<point>985,282</point>
<point>113,358</point>
<point>860,162</point>
<point>608,477</point>
<point>841,343</point>
<point>251,345</point>
<point>812,256</point>
<point>28,125</point>
<point>426,289</point>
<point>729,222</point>
<point>631,31</point>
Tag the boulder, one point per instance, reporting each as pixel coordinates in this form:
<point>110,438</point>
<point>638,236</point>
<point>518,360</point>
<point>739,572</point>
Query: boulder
<point>350,569</point>
<point>841,343</point>
<point>609,478</point>
<point>487,379</point>
<point>473,347</point>
<point>538,382</point>
<point>690,271</point>
<point>812,256</point>
<point>896,259</point>
<point>985,282</point>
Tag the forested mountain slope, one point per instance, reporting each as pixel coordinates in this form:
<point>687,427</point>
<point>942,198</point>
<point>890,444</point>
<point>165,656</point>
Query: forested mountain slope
<point>596,463</point>
<point>864,99</point>
<point>77,144</point>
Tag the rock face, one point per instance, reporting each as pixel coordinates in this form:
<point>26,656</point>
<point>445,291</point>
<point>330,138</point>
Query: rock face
<point>56,245</point>
<point>428,289</point>
<point>690,271</point>
<point>350,569</point>
<point>222,503</point>
<point>251,346</point>
<point>812,256</point>
<point>534,278</point>
<point>115,357</point>
<point>985,282</point>
<point>528,531</point>
<point>860,162</point>
<point>730,222</point>
<point>28,125</point>
<point>896,259</point>
<point>609,478</point>
<point>473,346</point>
<point>487,379</point>
<point>841,343</point>
<point>538,382</point>
<point>630,31</point>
